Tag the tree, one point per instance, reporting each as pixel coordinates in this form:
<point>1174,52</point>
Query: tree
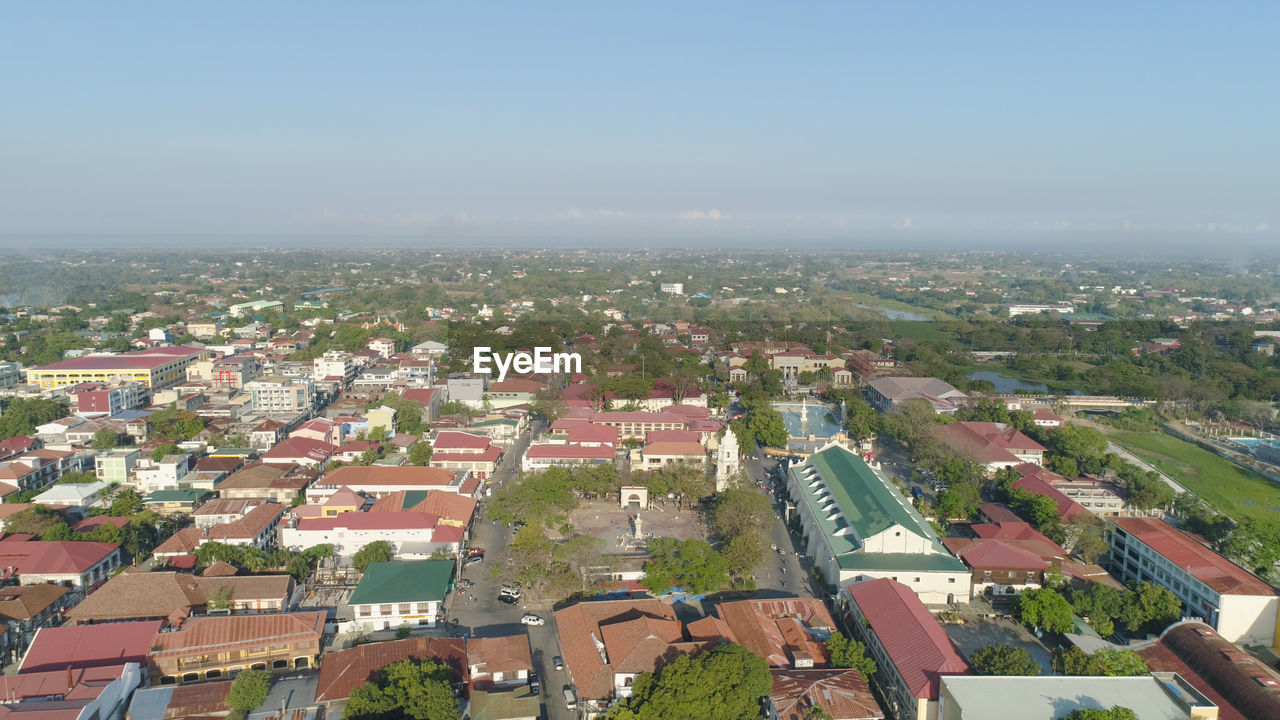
<point>1039,510</point>
<point>1110,662</point>
<point>22,415</point>
<point>724,683</point>
<point>1044,609</point>
<point>420,453</point>
<point>105,439</point>
<point>417,689</point>
<point>166,449</point>
<point>741,510</point>
<point>221,598</point>
<point>33,521</point>
<point>1003,660</point>
<point>376,551</point>
<point>849,653</point>
<point>249,690</point>
<point>692,565</point>
<point>958,501</point>
<point>1149,608</point>
<point>1078,442</point>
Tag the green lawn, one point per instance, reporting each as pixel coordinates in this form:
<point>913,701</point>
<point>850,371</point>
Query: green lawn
<point>1234,490</point>
<point>917,331</point>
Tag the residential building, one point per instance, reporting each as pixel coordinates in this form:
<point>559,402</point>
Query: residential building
<point>466,390</point>
<point>335,365</point>
<point>408,533</point>
<point>607,643</point>
<point>154,368</point>
<point>167,473</point>
<point>205,700</point>
<point>86,694</point>
<point>173,502</point>
<point>172,596</point>
<point>78,498</point>
<point>377,481</point>
<point>256,529</point>
<point>498,663</point>
<point>391,594</point>
<point>999,568</point>
<point>843,694</point>
<point>911,651</point>
<point>884,394</point>
<point>786,632</point>
<point>93,646</point>
<point>451,508</point>
<point>93,400</point>
<point>36,469</point>
<point>991,445</point>
<point>115,467</point>
<point>277,395</point>
<point>385,347</point>
<point>69,563</point>
<point>1227,597</point>
<point>1159,696</point>
<point>299,451</point>
<point>345,670</point>
<point>234,372</point>
<point>24,609</point>
<point>217,646</point>
<point>519,702</point>
<point>474,454</point>
<point>856,526</point>
<point>323,429</point>
<point>509,393</point>
<point>275,482</point>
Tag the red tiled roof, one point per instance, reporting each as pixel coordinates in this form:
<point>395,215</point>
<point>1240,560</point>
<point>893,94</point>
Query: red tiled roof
<point>1242,686</point>
<point>490,455</point>
<point>1037,485</point>
<point>987,442</point>
<point>452,439</point>
<point>41,557</point>
<point>842,693</point>
<point>359,475</point>
<point>912,638</point>
<point>778,630</point>
<point>299,447</point>
<point>221,633</point>
<point>422,395</point>
<point>1184,551</point>
<point>994,554</point>
<point>345,670</point>
<point>141,360</point>
<point>593,433</point>
<point>672,436</point>
<point>675,449</point>
<point>90,523</point>
<point>371,521</point>
<point>86,646</point>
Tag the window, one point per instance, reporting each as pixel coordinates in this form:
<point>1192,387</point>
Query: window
<point>951,580</point>
<point>384,609</point>
<point>405,608</point>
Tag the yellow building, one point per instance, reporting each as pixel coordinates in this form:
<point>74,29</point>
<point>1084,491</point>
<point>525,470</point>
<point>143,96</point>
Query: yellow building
<point>156,368</point>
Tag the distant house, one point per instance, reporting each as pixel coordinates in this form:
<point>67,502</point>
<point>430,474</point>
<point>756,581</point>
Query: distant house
<point>991,445</point>
<point>885,394</point>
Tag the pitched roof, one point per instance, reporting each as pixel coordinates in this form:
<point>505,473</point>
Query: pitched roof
<point>782,630</point>
<point>371,521</point>
<point>1239,684</point>
<point>842,693</point>
<point>448,506</point>
<point>344,670</point>
<point>141,360</point>
<point>455,440</point>
<point>1184,551</point>
<point>994,554</point>
<point>557,450</point>
<point>132,595</point>
<point>912,638</point>
<point>987,442</point>
<point>23,602</point>
<point>49,557</point>
<point>373,475</point>
<point>404,581</point>
<point>509,653</point>
<point>262,476</point>
<point>87,646</point>
<point>299,447</point>
<point>221,633</point>
<point>593,433</point>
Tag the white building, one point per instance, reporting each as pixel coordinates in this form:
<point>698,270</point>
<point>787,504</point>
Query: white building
<point>276,395</point>
<point>163,475</point>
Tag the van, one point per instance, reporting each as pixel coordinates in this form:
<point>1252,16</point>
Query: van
<point>570,699</point>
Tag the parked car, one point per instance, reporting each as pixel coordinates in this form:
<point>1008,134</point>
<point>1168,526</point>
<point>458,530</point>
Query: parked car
<point>509,599</point>
<point>557,662</point>
<point>531,619</point>
<point>473,560</point>
<point>534,685</point>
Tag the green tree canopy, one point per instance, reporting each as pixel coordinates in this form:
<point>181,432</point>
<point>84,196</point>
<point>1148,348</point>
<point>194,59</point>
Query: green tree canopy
<point>409,690</point>
<point>249,690</point>
<point>1111,662</point>
<point>1003,660</point>
<point>1044,609</point>
<point>849,653</point>
<point>420,453</point>
<point>105,439</point>
<point>376,551</point>
<point>692,565</point>
<point>1117,712</point>
<point>724,683</point>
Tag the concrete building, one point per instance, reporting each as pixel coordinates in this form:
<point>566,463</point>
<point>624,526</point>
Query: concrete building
<point>1159,696</point>
<point>276,395</point>
<point>992,445</point>
<point>885,394</point>
<point>154,368</point>
<point>93,400</point>
<point>391,594</point>
<point>856,527</point>
<point>1228,598</point>
<point>213,647</point>
<point>116,466</point>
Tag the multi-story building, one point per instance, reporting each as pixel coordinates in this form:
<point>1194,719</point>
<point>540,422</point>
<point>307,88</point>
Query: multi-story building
<point>887,393</point>
<point>474,454</point>
<point>391,594</point>
<point>992,445</point>
<point>276,395</point>
<point>165,474</point>
<point>204,330</point>
<point>1232,600</point>
<point>911,650</point>
<point>68,563</point>
<point>1157,696</point>
<point>541,456</point>
<point>154,368</point>
<point>102,400</point>
<point>335,365</point>
<point>235,371</point>
<point>407,532</point>
<point>856,527</point>
<point>213,647</point>
<point>10,374</point>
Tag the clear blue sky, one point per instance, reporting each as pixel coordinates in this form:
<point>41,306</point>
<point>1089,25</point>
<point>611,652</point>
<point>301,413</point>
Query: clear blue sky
<point>606,120</point>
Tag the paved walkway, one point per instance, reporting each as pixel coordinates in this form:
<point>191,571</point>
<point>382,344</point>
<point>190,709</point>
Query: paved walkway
<point>1125,454</point>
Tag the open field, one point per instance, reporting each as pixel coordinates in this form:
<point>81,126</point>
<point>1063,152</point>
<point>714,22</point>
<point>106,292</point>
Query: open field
<point>917,330</point>
<point>1230,488</point>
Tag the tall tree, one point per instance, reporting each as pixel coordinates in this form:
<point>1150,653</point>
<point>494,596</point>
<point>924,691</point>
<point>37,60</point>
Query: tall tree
<point>409,689</point>
<point>724,683</point>
<point>1044,609</point>
<point>692,565</point>
<point>1003,660</point>
<point>249,690</point>
<point>849,653</point>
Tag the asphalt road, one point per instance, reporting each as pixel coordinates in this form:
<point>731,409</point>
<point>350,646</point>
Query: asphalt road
<point>479,612</point>
<point>786,570</point>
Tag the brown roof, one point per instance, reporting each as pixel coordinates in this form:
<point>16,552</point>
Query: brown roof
<point>343,671</point>
<point>637,635</point>
<point>198,699</point>
<point>23,602</point>
<point>222,633</point>
<point>220,569</point>
<point>778,630</point>
<point>498,655</point>
<point>249,526</point>
<point>261,476</point>
<point>986,442</point>
<point>139,595</point>
<point>226,506</point>
<point>842,693</point>
<point>1214,666</point>
<point>358,475</point>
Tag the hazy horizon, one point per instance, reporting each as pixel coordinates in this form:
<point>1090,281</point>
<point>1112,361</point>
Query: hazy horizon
<point>579,124</point>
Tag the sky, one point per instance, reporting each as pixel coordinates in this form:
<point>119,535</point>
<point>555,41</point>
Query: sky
<point>662,123</point>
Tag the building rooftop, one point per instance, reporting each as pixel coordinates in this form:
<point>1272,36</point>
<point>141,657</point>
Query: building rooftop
<point>987,442</point>
<point>1241,685</point>
<point>223,633</point>
<point>1047,697</point>
<point>785,632</point>
<point>89,646</point>
<point>404,581</point>
<point>1202,563</point>
<point>48,557</point>
<point>374,475</point>
<point>344,670</point>
<point>842,693</point>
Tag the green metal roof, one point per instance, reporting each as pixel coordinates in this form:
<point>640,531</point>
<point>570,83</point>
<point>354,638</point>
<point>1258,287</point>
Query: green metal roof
<point>404,581</point>
<point>901,561</point>
<point>496,705</point>
<point>412,498</point>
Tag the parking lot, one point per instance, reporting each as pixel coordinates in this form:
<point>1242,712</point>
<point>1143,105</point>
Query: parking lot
<point>978,631</point>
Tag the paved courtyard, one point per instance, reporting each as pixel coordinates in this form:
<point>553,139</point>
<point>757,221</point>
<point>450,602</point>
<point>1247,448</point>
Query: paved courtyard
<point>977,632</point>
<point>604,519</point>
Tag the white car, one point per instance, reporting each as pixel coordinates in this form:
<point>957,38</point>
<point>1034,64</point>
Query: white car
<point>531,619</point>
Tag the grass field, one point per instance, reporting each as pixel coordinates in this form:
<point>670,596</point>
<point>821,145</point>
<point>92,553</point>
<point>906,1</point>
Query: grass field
<point>916,330</point>
<point>1234,490</point>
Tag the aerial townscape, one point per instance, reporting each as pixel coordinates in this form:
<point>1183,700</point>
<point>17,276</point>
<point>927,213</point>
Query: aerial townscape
<point>569,360</point>
<point>803,485</point>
